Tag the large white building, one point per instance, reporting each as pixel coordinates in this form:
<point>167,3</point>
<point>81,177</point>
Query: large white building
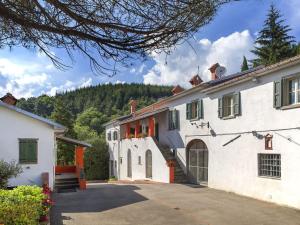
<point>238,133</point>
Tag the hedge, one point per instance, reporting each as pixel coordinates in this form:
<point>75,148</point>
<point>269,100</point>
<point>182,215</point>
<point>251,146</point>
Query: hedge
<point>22,205</point>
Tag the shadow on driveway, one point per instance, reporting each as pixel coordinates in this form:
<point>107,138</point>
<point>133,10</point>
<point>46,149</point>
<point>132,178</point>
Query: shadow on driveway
<point>96,198</point>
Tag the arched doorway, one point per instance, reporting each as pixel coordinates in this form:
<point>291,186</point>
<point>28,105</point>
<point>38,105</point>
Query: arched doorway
<point>197,162</point>
<point>129,164</point>
<point>148,164</point>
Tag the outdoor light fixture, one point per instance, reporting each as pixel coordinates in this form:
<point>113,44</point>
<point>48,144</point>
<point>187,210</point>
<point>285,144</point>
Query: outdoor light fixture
<point>269,142</point>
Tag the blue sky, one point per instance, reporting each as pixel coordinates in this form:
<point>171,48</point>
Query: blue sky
<point>225,40</point>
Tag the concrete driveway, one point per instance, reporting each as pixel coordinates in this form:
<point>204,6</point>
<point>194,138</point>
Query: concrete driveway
<point>164,204</point>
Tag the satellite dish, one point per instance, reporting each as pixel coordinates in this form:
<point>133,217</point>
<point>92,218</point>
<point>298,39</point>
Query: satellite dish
<point>220,71</point>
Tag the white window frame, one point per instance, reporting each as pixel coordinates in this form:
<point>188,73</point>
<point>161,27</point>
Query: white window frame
<point>295,90</point>
<point>227,107</point>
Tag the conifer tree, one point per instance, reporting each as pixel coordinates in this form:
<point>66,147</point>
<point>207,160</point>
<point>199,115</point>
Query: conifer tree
<point>273,43</point>
<point>244,66</point>
<point>61,114</point>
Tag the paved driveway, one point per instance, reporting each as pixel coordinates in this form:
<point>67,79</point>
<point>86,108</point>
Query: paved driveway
<point>164,204</point>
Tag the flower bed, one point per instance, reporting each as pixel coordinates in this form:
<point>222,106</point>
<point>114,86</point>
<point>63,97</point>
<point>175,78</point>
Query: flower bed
<point>24,205</point>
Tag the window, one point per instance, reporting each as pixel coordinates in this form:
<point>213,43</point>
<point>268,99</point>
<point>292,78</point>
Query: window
<point>115,135</point>
<point>140,160</point>
<point>109,136</point>
<point>293,91</point>
<point>286,92</point>
<point>194,110</point>
<point>229,105</point>
<point>173,119</point>
<point>28,151</point>
<point>269,165</point>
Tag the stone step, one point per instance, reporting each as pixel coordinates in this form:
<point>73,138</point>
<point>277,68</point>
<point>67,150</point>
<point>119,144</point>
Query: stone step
<point>69,180</point>
<point>66,186</point>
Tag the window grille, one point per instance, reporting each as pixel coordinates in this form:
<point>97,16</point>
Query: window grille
<point>269,165</point>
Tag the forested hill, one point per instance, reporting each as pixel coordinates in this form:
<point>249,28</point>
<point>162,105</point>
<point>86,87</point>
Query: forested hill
<point>109,99</point>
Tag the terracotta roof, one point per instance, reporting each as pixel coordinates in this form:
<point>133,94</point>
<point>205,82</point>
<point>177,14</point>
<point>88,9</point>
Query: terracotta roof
<point>214,85</point>
<point>144,115</point>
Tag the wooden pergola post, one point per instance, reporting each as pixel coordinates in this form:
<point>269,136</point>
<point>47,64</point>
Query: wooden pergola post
<point>137,128</point>
<point>79,154</point>
<point>151,126</point>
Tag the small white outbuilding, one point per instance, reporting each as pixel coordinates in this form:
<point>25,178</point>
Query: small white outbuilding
<point>30,140</point>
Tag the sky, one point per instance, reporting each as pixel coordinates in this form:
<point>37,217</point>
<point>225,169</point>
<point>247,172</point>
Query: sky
<point>229,37</point>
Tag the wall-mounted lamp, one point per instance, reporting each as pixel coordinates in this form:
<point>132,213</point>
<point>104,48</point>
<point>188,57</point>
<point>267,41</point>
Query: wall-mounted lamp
<point>269,142</point>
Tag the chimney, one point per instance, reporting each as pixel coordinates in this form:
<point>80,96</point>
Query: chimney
<point>196,80</point>
<point>132,104</point>
<point>177,90</point>
<point>9,99</point>
<point>212,69</point>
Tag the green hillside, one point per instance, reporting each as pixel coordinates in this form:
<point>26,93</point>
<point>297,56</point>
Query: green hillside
<point>109,99</point>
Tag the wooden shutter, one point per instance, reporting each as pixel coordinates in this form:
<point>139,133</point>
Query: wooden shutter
<point>28,151</point>
<point>236,104</point>
<point>220,107</point>
<point>188,111</point>
<point>277,98</point>
<point>200,109</point>
<point>176,119</point>
<point>170,120</point>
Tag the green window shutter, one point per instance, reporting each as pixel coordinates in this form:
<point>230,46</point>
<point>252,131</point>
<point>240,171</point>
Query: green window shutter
<point>200,109</point>
<point>176,119</point>
<point>170,120</point>
<point>220,107</point>
<point>237,104</point>
<point>22,151</point>
<point>277,98</point>
<point>28,151</point>
<point>188,111</point>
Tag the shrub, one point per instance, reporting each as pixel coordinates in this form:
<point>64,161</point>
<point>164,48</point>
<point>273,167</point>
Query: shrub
<point>96,160</point>
<point>22,205</point>
<point>8,170</point>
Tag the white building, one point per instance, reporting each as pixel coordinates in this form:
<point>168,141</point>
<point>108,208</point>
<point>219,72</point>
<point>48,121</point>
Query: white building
<point>30,140</point>
<point>238,133</point>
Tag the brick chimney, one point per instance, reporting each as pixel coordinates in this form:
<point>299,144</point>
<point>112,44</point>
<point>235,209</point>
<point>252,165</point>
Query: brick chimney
<point>133,104</point>
<point>177,89</point>
<point>9,99</point>
<point>212,69</point>
<point>196,80</point>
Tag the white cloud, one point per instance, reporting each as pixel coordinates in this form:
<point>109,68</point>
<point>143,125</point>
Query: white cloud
<point>34,76</point>
<point>19,77</point>
<point>139,69</point>
<point>120,82</point>
<point>70,86</point>
<point>183,62</point>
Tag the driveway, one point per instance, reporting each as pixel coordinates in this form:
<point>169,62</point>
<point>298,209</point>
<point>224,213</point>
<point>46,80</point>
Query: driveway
<point>164,204</point>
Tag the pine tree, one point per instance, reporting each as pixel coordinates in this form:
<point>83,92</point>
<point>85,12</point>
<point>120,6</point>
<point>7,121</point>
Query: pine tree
<point>273,42</point>
<point>244,66</point>
<point>61,114</point>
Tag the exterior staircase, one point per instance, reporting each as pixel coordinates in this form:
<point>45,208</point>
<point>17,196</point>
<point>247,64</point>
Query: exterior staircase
<point>66,182</point>
<point>179,175</point>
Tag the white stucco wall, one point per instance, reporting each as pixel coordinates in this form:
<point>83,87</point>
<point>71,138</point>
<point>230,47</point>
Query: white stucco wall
<point>113,148</point>
<point>138,147</point>
<point>234,167</point>
<point>14,126</point>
